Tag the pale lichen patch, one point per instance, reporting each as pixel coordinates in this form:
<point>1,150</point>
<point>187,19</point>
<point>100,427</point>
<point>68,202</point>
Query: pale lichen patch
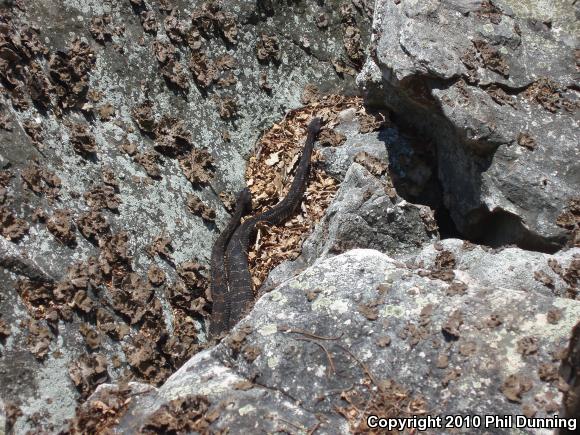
<point>296,284</point>
<point>276,296</point>
<point>392,311</point>
<point>340,306</point>
<point>244,410</point>
<point>273,362</point>
<point>268,329</point>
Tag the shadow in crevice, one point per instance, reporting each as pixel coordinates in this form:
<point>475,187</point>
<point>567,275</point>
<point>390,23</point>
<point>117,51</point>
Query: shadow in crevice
<point>413,168</point>
<point>426,145</point>
<point>500,228</point>
<point>413,171</point>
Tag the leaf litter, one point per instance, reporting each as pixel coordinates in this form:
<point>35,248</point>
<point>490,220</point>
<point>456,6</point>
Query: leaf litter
<point>270,172</point>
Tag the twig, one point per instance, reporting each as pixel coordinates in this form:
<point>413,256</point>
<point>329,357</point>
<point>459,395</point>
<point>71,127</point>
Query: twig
<point>364,367</point>
<point>325,351</point>
<point>315,428</point>
<point>308,334</point>
<point>339,391</point>
<point>300,428</point>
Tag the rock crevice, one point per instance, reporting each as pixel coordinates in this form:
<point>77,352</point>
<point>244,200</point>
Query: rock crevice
<point>496,97</point>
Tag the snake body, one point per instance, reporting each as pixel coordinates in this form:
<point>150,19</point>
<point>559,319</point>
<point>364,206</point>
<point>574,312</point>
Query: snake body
<point>240,295</point>
<point>219,286</point>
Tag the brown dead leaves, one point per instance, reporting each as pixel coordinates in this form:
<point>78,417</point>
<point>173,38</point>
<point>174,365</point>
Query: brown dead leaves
<point>183,415</point>
<point>198,208</point>
<point>88,371</point>
<point>41,180</point>
<point>102,412</point>
<point>385,398</point>
<point>82,140</point>
<point>11,226</point>
<point>514,386</point>
<point>59,83</point>
<point>550,95</point>
<point>268,49</point>
<point>197,166</point>
<point>62,227</point>
<point>570,220</point>
<point>270,173</point>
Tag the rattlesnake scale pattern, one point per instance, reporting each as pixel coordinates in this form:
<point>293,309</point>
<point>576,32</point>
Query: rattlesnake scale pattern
<point>219,285</point>
<point>239,296</point>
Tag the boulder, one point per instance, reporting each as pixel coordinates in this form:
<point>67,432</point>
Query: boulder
<point>124,132</point>
<point>492,84</point>
<point>534,272</point>
<point>362,333</point>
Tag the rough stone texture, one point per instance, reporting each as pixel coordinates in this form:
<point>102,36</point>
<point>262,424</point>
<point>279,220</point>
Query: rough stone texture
<point>367,212</point>
<point>112,113</point>
<point>493,83</point>
<point>101,104</point>
<point>360,322</point>
<point>362,215</point>
<point>549,275</point>
<point>338,159</point>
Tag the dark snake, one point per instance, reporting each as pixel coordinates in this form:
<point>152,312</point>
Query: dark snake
<point>240,296</point>
<point>219,286</point>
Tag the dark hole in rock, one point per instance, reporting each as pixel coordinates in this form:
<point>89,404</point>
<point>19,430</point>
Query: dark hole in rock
<point>413,167</point>
<point>413,170</point>
<point>447,228</point>
<point>500,228</point>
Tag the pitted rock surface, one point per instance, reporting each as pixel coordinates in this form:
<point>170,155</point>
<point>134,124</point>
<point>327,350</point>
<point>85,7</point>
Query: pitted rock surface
<point>363,315</point>
<point>534,272</point>
<point>112,114</point>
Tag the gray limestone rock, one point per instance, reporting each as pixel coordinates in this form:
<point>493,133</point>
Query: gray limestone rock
<point>493,84</point>
<point>363,215</point>
<point>548,275</point>
<point>361,327</point>
<point>101,104</point>
<point>113,113</point>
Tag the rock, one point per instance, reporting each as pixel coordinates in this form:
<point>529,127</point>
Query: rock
<point>15,259</point>
<point>338,158</point>
<point>363,215</point>
<point>512,268</point>
<point>106,126</point>
<point>310,361</point>
<point>114,114</point>
<point>493,85</point>
<point>366,211</point>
